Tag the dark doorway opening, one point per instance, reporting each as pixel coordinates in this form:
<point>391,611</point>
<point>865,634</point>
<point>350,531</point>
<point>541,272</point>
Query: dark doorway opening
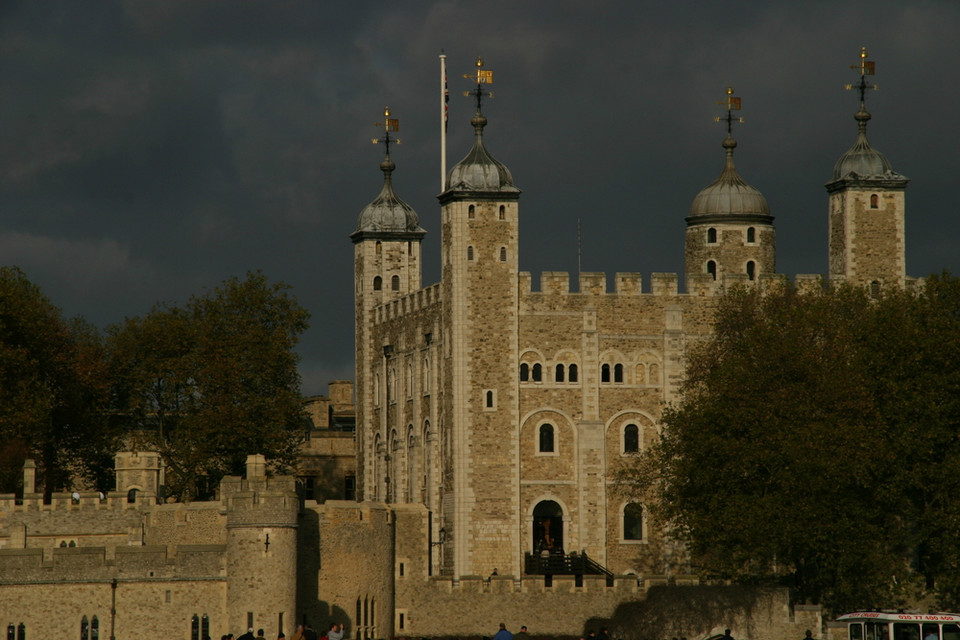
<point>548,527</point>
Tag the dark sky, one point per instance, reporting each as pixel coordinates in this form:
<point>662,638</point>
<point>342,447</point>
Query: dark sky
<point>149,149</point>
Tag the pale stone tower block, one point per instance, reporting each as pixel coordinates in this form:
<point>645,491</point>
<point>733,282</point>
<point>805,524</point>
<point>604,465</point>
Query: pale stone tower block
<point>480,299</point>
<point>867,203</point>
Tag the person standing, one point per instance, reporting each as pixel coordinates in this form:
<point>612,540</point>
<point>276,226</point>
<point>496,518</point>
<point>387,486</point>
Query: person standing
<point>522,635</point>
<point>335,632</point>
<point>503,634</point>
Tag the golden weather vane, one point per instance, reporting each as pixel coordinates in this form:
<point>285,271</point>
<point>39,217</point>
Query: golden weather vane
<point>864,68</point>
<point>481,76</point>
<point>732,103</point>
<point>389,124</point>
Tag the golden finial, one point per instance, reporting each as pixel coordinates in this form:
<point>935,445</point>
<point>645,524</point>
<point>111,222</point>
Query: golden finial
<point>389,124</point>
<point>481,77</point>
<point>732,103</point>
<point>864,68</point>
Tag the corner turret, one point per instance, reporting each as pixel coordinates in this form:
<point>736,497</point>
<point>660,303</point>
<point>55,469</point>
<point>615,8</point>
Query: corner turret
<point>867,206</point>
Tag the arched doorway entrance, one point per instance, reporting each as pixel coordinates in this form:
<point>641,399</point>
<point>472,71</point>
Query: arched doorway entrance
<point>547,527</point>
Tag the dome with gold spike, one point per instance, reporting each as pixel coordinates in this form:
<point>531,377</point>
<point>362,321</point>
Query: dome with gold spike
<point>387,214</point>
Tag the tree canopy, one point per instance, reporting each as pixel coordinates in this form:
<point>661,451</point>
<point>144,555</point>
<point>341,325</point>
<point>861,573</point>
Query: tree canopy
<point>817,443</point>
<point>53,391</point>
<point>208,383</point>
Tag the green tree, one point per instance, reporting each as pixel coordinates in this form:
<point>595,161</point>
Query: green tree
<point>53,391</point>
<point>214,381</point>
<point>817,444</point>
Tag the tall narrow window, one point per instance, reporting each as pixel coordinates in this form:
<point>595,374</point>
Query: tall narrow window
<point>751,234</point>
<point>633,521</point>
<point>94,629</point>
<point>524,372</point>
<point>489,399</point>
<point>195,627</point>
<point>469,253</point>
<point>631,438</point>
<point>546,438</point>
<point>711,235</point>
<point>503,254</point>
<point>503,212</point>
<point>874,201</point>
<point>205,625</point>
<point>21,631</point>
<point>377,283</point>
<point>395,283</point>
<point>712,269</point>
<point>618,372</point>
<point>605,373</point>
<point>379,248</point>
<point>751,269</point>
<point>537,372</point>
<point>572,373</point>
<point>471,212</point>
<point>84,628</point>
<point>559,373</point>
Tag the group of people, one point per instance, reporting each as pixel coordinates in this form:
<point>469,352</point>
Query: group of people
<point>303,632</point>
<point>503,634</point>
<point>244,636</point>
<point>306,632</point>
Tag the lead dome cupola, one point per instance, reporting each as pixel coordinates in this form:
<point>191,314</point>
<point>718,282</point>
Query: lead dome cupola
<point>862,160</point>
<point>479,171</point>
<point>387,214</point>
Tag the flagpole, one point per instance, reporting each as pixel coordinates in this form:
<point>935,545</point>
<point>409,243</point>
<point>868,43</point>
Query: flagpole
<point>444,97</point>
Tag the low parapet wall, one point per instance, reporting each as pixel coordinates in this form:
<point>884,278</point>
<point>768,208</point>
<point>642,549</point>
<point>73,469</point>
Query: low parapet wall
<point>96,564</point>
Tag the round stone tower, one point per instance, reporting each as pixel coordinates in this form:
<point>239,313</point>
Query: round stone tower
<point>261,550</point>
<point>729,229</point>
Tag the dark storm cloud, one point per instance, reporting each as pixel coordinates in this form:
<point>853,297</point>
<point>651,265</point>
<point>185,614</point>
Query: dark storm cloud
<point>150,149</point>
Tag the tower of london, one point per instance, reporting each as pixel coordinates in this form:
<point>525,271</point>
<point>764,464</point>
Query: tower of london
<point>493,410</point>
<point>506,408</point>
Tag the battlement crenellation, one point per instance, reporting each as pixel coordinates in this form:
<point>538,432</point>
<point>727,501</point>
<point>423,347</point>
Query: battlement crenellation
<point>631,284</point>
<point>410,303</point>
